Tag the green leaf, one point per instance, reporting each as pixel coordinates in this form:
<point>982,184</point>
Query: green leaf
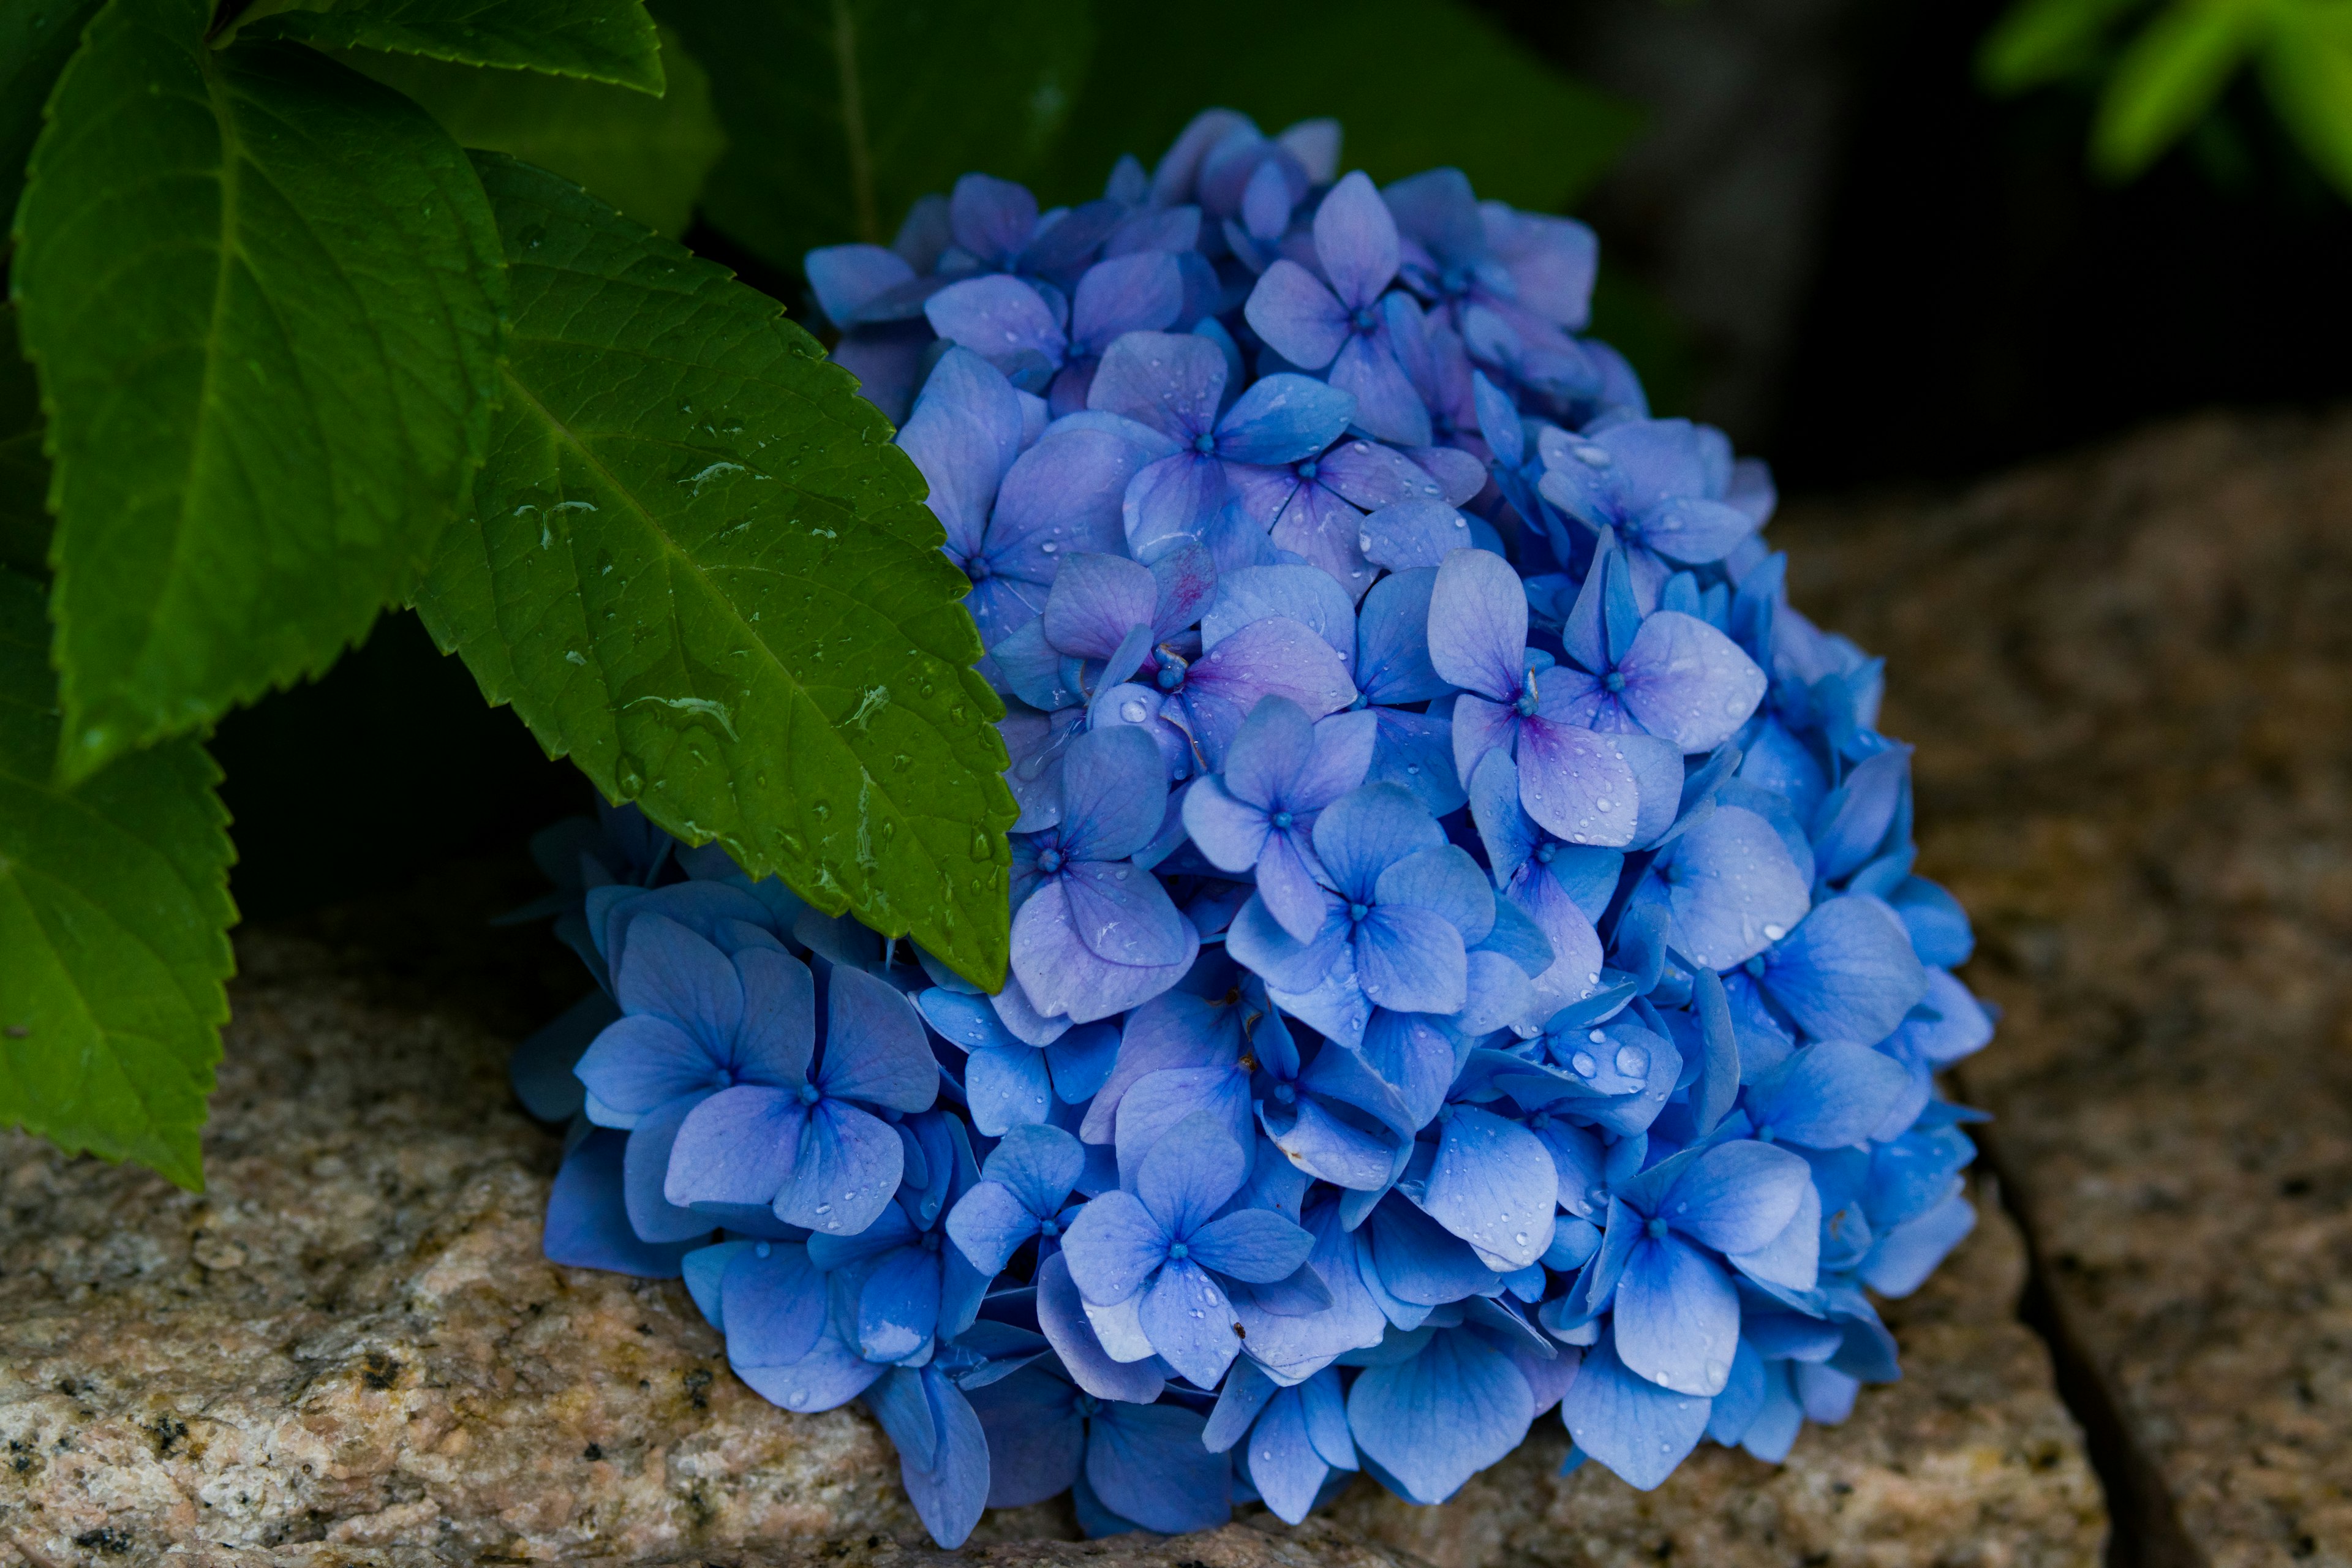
<point>37,38</point>
<point>24,472</point>
<point>697,565</point>
<point>602,40</point>
<point>2041,41</point>
<point>263,294</point>
<point>2168,79</point>
<point>114,914</point>
<point>2307,71</point>
<point>648,157</point>
<point>840,114</point>
<point>1416,84</point>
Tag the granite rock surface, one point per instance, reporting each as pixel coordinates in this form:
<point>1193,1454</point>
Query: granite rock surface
<point>2129,677</point>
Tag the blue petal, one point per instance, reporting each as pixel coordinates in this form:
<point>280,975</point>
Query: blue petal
<point>1113,1246</point>
<point>989,1224</point>
<point>1306,594</point>
<point>1230,832</point>
<point>1295,315</point>
<point>1007,1088</point>
<point>1366,831</point>
<point>1677,1317</point>
<point>735,1147</point>
<point>1245,1394</point>
<point>1080,1060</point>
<point>1419,1262</point>
<point>844,1172</point>
<point>1255,1245</point>
<point>676,973</point>
<point>644,1168</point>
<point>1217,1100</point>
<point>875,1048</point>
<point>1445,881</point>
<point>1036,1438</point>
<point>1282,1461</point>
<point>1847,973</point>
<point>1145,1462</point>
<point>643,1061</point>
<point>1114,794</point>
<point>1411,960</point>
<point>998,317</point>
<point>1392,640</point>
<point>1190,1322</point>
<point>1827,1096</point>
<point>1736,1196</point>
<point>1283,418</point>
<point>773,1303</point>
<point>828,1377</point>
<point>1435,1421</point>
<point>1168,382</point>
<point>1188,1175</point>
<point>1901,1260</point>
<point>1492,1184</point>
<point>587,1220</point>
<point>950,1491</point>
<point>1637,1430</point>
<point>1061,1313</point>
<point>1733,889</point>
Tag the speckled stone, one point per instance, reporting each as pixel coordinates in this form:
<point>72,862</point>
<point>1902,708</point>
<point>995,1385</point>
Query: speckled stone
<point>2129,676</point>
<point>1970,1460</point>
<point>351,1336</point>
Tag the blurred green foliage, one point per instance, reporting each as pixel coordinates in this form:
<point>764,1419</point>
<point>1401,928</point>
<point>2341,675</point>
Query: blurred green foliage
<point>2159,71</point>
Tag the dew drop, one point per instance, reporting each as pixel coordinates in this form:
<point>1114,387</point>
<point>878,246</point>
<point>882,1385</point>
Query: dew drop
<point>1774,933</point>
<point>1131,710</point>
<point>1633,1060</point>
<point>1584,1065</point>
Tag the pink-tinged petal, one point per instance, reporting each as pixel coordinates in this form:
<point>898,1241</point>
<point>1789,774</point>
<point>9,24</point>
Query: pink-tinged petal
<point>1276,658</point>
<point>1386,404</point>
<point>1481,729</point>
<point>1139,293</point>
<point>1096,601</point>
<point>1576,783</point>
<point>1689,683</point>
<point>999,317</point>
<point>1171,382</point>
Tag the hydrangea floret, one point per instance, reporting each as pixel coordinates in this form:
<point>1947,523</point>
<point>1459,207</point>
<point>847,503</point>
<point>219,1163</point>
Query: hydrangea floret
<point>1465,958</point>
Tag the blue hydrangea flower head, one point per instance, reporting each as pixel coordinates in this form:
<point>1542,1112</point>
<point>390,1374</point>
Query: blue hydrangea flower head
<point>1467,960</point>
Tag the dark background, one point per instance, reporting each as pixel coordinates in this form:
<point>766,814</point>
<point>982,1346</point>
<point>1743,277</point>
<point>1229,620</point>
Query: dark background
<point>1875,275</point>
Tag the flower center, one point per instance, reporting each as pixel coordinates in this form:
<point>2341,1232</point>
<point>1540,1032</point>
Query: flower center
<point>1755,967</point>
<point>1088,1404</point>
<point>1655,1230</point>
<point>1286,1093</point>
<point>1545,852</point>
<point>1047,1227</point>
<point>1178,1251</point>
<point>1049,861</point>
<point>1307,470</point>
<point>1358,911</point>
<point>808,1094</point>
<point>1205,442</point>
<point>1614,680</point>
<point>1283,819</point>
<point>1364,319</point>
<point>977,568</point>
<point>1528,699</point>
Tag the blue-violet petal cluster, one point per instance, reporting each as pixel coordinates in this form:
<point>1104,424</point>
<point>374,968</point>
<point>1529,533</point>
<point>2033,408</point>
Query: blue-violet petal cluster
<point>1465,958</point>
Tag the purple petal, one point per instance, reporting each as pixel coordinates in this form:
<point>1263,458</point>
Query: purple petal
<point>1231,833</point>
<point>1392,640</point>
<point>1171,502</point>
<point>1297,316</point>
<point>1578,784</point>
<point>1356,241</point>
<point>1114,794</point>
<point>1414,534</point>
<point>1414,752</point>
<point>964,434</point>
<point>1387,406</point>
<point>1063,977</point>
<point>992,218</point>
<point>1412,961</point>
<point>1098,600</point>
<point>1267,752</point>
<point>1695,531</point>
<point>1478,625</point>
<point>999,317</point>
<point>1062,497</point>
<point>1123,915</point>
<point>1275,658</point>
<point>845,277</point>
<point>1301,593</point>
<point>1169,382</point>
<point>1438,209</point>
<point>1139,293</point>
<point>1689,683</point>
<point>1445,881</point>
<point>1367,831</point>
